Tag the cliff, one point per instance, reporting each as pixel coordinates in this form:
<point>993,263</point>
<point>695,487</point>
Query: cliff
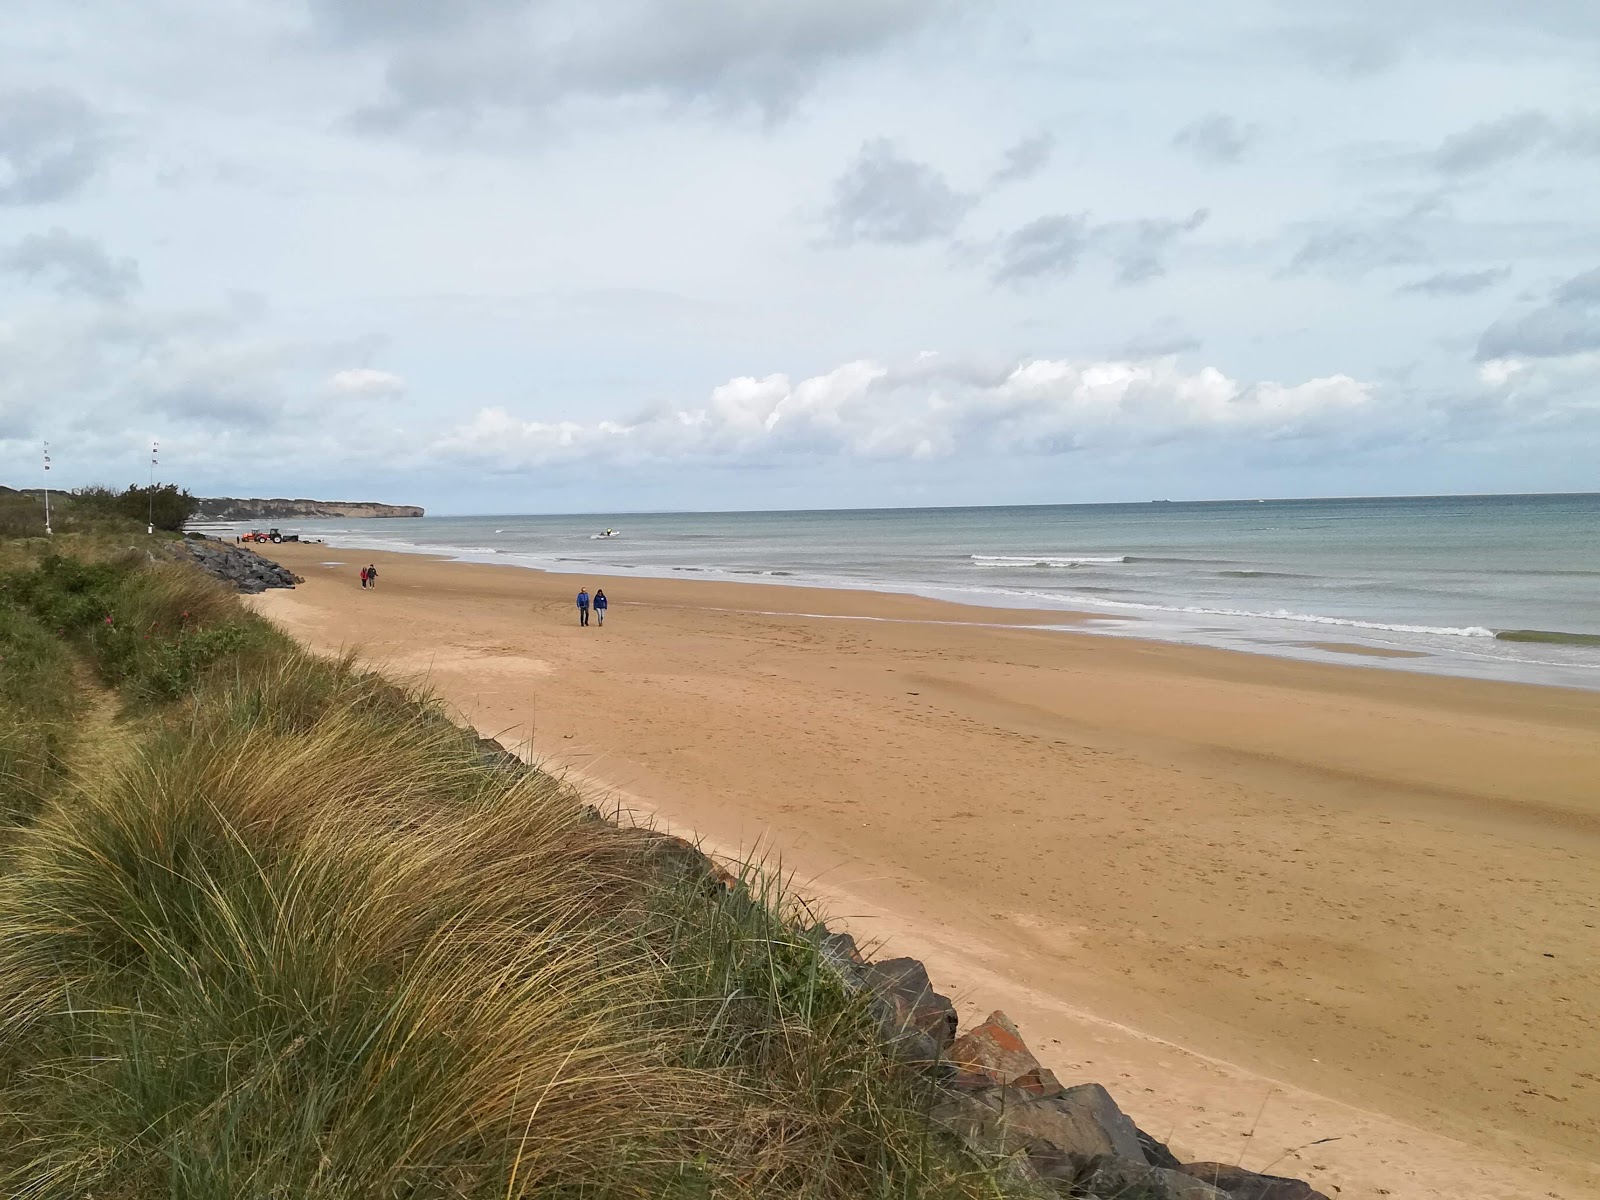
<point>230,509</point>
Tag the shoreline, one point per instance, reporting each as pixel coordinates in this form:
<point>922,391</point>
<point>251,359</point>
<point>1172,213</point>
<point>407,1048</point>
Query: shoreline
<point>1133,866</point>
<point>1299,637</point>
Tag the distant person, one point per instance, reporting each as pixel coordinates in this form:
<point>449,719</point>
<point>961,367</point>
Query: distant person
<point>372,576</point>
<point>600,606</point>
<point>363,577</point>
<point>583,606</point>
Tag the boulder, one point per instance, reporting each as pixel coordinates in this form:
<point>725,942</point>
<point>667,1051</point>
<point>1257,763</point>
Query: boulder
<point>496,757</point>
<point>683,860</point>
<point>1120,1179</point>
<point>994,1055</point>
<point>1156,1152</point>
<point>917,1021</point>
<point>1073,1126</point>
<point>1240,1184</point>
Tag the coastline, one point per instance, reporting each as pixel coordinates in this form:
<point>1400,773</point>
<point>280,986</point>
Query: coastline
<point>1395,635</point>
<point>1130,859</point>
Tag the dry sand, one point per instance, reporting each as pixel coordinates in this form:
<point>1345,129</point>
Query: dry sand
<point>1248,894</point>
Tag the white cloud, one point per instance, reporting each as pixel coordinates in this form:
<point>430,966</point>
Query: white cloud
<point>929,409</point>
<point>366,383</point>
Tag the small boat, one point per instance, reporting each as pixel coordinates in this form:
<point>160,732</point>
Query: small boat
<point>609,533</point>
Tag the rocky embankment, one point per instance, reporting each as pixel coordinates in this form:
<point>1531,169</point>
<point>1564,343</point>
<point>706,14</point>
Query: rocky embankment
<point>1054,1140</point>
<point>238,566</point>
<point>225,508</point>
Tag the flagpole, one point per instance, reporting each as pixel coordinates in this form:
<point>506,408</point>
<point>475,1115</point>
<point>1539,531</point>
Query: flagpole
<point>150,526</point>
<point>47,530</point>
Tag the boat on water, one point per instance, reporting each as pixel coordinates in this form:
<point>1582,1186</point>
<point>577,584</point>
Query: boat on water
<point>609,533</point>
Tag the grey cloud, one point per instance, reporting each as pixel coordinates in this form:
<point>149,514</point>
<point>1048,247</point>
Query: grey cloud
<point>1217,139</point>
<point>1053,246</point>
<point>73,264</point>
<point>1357,245</point>
<point>455,62</point>
<point>1456,283</point>
<point>1568,324</point>
<point>1139,248</point>
<point>883,197</point>
<point>1490,143</point>
<point>1580,289</point>
<point>51,143</point>
<point>1026,159</point>
<point>1163,341</point>
<point>1048,246</point>
<point>1548,332</point>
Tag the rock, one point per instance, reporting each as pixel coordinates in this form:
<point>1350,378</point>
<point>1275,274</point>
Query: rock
<point>994,1055</point>
<point>684,860</point>
<point>1240,1184</point>
<point>840,952</point>
<point>1060,1132</point>
<point>244,569</point>
<point>496,757</point>
<point>1156,1152</point>
<point>917,1021</point>
<point>1120,1179</point>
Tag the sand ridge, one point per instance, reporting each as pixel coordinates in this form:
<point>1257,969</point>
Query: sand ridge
<point>1364,898</point>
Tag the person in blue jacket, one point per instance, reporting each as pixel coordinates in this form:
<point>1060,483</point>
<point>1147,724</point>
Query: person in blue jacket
<point>600,606</point>
<point>583,606</point>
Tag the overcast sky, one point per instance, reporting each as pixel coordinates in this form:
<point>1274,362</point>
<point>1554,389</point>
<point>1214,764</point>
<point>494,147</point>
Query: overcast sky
<point>546,255</point>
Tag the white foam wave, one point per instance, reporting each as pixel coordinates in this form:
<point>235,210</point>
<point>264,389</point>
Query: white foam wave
<point>1045,560</point>
<point>1283,614</point>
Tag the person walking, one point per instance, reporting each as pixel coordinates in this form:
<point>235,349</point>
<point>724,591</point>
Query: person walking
<point>372,576</point>
<point>599,606</point>
<point>583,606</point>
<point>363,579</point>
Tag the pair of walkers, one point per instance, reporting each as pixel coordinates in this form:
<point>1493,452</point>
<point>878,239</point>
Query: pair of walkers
<point>585,604</point>
<point>369,577</point>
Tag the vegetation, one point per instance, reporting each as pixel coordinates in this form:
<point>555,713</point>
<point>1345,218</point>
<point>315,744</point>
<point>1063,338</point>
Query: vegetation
<point>279,930</point>
<point>164,505</point>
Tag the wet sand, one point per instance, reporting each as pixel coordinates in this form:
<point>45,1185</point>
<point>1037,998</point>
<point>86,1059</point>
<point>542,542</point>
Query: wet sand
<point>1247,894</point>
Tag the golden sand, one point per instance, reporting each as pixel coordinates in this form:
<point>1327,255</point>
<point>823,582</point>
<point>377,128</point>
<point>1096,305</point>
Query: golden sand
<point>1265,902</point>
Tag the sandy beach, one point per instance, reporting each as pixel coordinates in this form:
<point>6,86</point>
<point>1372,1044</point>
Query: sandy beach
<point>1268,903</point>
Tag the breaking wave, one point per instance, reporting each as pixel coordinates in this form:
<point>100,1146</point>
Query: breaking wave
<point>1046,560</point>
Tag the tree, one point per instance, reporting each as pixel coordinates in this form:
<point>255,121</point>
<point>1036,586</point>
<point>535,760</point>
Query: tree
<point>164,505</point>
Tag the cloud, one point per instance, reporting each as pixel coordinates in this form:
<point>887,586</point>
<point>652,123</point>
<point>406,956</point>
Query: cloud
<point>1217,139</point>
<point>928,410</point>
<point>1356,245</point>
<point>365,383</point>
<point>1490,143</point>
<point>1455,283</point>
<point>1139,248</point>
<point>73,264</point>
<point>1568,324</point>
<point>51,143</point>
<point>884,197</point>
<point>1025,159</point>
<point>1054,246</point>
<point>1047,247</point>
<point>466,59</point>
<point>1493,143</point>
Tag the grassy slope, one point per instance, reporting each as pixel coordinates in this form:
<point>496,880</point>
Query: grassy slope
<point>281,933</point>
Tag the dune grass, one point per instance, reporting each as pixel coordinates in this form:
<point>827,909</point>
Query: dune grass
<point>281,932</point>
<point>39,703</point>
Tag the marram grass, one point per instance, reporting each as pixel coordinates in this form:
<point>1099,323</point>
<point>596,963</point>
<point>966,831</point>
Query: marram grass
<point>279,933</point>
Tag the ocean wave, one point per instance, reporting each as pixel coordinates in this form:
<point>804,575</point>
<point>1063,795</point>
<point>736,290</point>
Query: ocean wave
<point>1283,614</point>
<point>1263,575</point>
<point>1046,560</point>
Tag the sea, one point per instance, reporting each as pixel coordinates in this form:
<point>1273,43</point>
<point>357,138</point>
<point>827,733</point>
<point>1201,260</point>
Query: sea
<point>1495,587</point>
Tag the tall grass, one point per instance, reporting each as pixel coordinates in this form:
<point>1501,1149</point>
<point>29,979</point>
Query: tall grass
<point>38,705</point>
<point>288,937</point>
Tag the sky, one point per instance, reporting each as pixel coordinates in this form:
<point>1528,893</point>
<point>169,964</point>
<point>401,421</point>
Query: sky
<point>601,255</point>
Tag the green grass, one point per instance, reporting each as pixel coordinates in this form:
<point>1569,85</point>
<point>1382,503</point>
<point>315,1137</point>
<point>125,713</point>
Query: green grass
<point>281,933</point>
<point>39,703</point>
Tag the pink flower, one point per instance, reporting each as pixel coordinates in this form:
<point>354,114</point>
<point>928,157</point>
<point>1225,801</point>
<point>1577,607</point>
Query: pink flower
<point>108,620</point>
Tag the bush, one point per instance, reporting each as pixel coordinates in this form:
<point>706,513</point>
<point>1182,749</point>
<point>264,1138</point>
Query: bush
<point>164,505</point>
